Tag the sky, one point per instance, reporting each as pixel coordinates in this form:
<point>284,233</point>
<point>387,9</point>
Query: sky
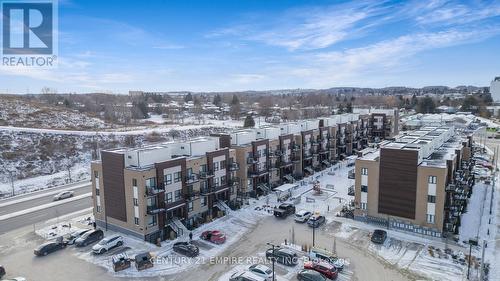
<point>116,46</point>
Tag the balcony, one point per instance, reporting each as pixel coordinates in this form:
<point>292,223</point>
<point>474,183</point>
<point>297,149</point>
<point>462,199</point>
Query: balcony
<point>252,174</point>
<point>275,154</point>
<point>234,167</point>
<point>154,209</point>
<point>192,195</point>
<point>296,148</point>
<point>234,181</point>
<point>251,160</point>
<point>206,174</point>
<point>190,179</point>
<point>286,163</point>
<point>213,189</point>
<point>152,191</point>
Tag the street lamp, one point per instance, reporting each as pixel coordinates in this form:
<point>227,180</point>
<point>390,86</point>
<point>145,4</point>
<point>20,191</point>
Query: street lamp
<point>314,233</point>
<point>272,257</point>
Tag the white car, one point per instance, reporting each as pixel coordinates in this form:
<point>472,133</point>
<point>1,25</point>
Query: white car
<point>63,195</point>
<point>262,271</point>
<point>107,243</point>
<point>245,276</point>
<point>302,216</point>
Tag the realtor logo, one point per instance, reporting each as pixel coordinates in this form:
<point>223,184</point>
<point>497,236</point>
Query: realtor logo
<point>28,33</point>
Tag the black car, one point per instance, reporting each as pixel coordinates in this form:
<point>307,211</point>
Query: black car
<point>2,271</point>
<point>48,248</point>
<point>310,275</point>
<point>89,238</point>
<point>316,221</point>
<point>187,249</point>
<point>379,236</point>
<point>282,256</point>
<point>283,210</point>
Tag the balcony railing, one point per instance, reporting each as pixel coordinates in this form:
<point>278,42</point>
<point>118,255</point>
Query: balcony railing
<point>206,174</point>
<point>252,160</point>
<point>234,167</point>
<point>153,209</point>
<point>257,173</point>
<point>233,181</point>
<point>190,179</point>
<point>152,190</point>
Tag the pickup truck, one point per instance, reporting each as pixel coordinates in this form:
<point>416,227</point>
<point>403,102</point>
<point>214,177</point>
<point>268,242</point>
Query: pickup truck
<point>283,210</point>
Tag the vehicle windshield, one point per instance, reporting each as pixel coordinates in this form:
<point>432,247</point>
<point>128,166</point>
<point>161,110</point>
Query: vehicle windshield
<point>103,242</point>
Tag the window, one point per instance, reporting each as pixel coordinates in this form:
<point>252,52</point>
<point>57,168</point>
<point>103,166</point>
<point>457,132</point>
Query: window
<point>222,164</point>
<point>152,220</point>
<point>431,218</point>
<point>431,198</point>
<point>363,206</point>
<point>98,209</point>
<point>177,176</point>
<point>189,172</point>
<point>203,168</point>
<point>151,183</point>
<point>203,201</point>
<point>364,188</point>
<point>432,179</point>
<point>168,197</point>
<point>96,174</point>
<point>216,181</point>
<point>97,192</point>
<point>134,182</point>
<point>223,180</point>
<point>190,206</point>
<point>151,201</point>
<point>364,171</point>
<point>178,195</point>
<point>203,185</point>
<point>136,202</point>
<point>136,220</point>
<point>216,166</point>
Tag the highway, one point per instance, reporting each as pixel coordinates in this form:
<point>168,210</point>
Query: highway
<point>37,207</point>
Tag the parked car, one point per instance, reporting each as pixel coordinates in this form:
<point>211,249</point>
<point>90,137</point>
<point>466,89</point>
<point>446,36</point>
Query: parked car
<point>71,238</point>
<point>89,238</point>
<point>187,249</point>
<point>283,256</point>
<point>316,221</point>
<point>319,254</point>
<point>48,248</point>
<point>214,236</point>
<point>262,271</point>
<point>379,236</point>
<point>2,271</point>
<point>245,276</point>
<point>143,261</point>
<point>107,243</point>
<point>63,195</point>
<point>326,269</point>
<point>310,275</point>
<point>283,210</point>
<point>302,216</point>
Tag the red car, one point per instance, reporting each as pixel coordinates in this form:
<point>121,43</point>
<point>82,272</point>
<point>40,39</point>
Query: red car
<point>214,236</point>
<point>326,269</point>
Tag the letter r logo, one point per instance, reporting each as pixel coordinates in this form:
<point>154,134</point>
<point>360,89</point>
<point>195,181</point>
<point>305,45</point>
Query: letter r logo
<point>27,28</point>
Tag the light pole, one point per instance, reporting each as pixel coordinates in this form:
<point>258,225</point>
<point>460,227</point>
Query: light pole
<point>272,257</point>
<point>314,233</point>
<point>11,176</point>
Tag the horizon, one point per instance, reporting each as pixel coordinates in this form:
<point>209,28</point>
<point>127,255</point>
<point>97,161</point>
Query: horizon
<point>247,46</point>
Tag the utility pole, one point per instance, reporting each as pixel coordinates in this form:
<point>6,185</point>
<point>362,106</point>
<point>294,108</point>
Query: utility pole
<point>272,257</point>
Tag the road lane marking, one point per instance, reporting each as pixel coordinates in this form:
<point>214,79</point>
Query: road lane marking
<point>45,206</point>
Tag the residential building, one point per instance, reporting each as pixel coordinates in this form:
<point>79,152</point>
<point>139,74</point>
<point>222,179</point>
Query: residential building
<point>495,89</point>
<point>155,192</point>
<point>419,182</point>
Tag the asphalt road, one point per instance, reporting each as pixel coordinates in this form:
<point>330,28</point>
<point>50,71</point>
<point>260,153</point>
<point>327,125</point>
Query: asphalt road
<point>45,214</point>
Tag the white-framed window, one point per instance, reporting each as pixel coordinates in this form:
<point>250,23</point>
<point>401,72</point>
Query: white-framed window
<point>168,197</point>
<point>216,166</point>
<point>431,218</point>
<point>136,220</point>
<point>178,195</point>
<point>134,182</point>
<point>364,171</point>
<point>96,174</point>
<point>223,164</point>
<point>363,206</point>
<point>216,181</point>
<point>151,183</point>
<point>136,202</point>
<point>223,180</point>
<point>432,179</point>
<point>364,188</point>
<point>152,220</point>
<point>203,201</point>
<point>190,206</point>
<point>98,209</point>
<point>431,199</point>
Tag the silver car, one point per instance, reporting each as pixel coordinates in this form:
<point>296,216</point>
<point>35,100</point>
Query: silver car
<point>63,195</point>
